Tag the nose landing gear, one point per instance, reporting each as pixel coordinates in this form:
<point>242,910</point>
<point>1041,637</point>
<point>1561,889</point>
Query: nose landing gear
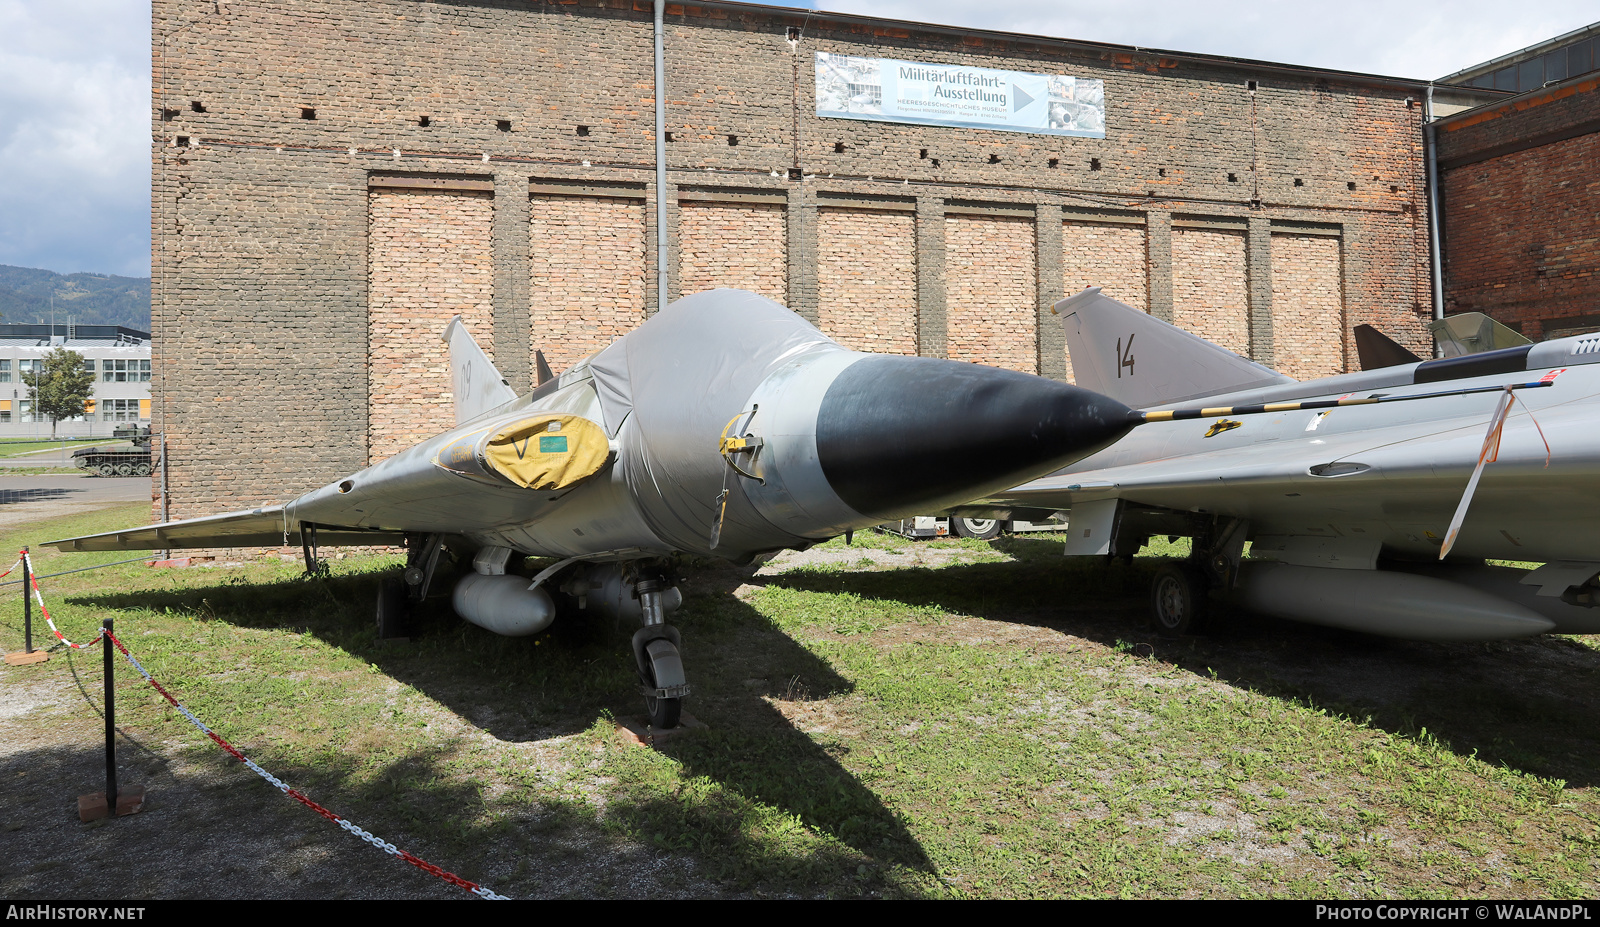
<point>655,650</point>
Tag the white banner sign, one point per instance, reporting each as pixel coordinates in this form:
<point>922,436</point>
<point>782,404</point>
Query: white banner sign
<point>886,90</point>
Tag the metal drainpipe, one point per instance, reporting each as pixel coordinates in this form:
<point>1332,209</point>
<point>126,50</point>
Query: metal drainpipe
<point>662,279</point>
<point>1431,136</point>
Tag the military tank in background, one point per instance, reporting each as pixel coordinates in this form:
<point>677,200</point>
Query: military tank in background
<point>119,461</point>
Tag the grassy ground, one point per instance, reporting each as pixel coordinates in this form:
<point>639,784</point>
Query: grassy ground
<point>24,448</point>
<point>944,719</point>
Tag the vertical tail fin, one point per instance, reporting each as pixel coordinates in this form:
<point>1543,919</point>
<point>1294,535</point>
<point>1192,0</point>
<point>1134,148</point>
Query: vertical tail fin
<point>474,381</point>
<point>1166,365</point>
<point>1377,350</point>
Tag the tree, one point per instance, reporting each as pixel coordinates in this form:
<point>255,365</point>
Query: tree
<point>59,385</point>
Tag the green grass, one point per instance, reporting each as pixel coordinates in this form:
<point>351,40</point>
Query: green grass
<point>997,723</point>
<point>24,448</point>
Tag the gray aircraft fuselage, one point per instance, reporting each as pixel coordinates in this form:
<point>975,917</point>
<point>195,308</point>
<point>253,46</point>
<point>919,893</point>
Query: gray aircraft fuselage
<point>1360,489</point>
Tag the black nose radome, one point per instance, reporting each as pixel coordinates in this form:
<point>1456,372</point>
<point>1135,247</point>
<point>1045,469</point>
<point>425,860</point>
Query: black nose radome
<point>898,436</point>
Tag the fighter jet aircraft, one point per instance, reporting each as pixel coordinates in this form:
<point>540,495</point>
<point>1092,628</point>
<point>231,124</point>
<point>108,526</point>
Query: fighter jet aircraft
<point>725,425</point>
<point>1350,510</point>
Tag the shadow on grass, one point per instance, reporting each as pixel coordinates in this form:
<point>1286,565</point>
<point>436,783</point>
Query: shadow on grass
<point>1527,704</point>
<point>561,684</point>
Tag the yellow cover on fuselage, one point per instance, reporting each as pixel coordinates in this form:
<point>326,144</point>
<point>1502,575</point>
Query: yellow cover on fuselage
<point>549,451</point>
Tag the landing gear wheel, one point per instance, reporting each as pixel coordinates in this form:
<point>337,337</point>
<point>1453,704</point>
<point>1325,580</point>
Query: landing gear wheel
<point>981,528</point>
<point>392,617</point>
<point>664,712</point>
<point>1178,600</point>
<point>662,668</point>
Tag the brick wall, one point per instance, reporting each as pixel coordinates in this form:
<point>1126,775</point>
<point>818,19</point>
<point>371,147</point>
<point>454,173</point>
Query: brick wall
<point>740,245</point>
<point>1209,294</point>
<point>990,294</point>
<point>1109,256</point>
<point>867,279</point>
<point>1306,306</point>
<point>1522,211</point>
<point>430,261</point>
<point>587,257</point>
<point>264,304</point>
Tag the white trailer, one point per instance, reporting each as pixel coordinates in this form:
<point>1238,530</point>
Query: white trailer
<point>931,526</point>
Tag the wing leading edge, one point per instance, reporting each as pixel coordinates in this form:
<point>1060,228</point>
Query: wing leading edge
<point>263,527</point>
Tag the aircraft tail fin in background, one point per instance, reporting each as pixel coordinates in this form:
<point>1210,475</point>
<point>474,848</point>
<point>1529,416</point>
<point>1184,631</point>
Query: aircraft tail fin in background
<point>1141,361</point>
<point>541,369</point>
<point>474,381</point>
<point>1377,350</point>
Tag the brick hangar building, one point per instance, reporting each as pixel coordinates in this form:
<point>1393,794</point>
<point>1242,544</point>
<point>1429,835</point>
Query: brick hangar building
<point>334,179</point>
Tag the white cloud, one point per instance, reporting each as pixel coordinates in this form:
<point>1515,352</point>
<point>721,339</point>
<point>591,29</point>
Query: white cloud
<point>1422,39</point>
<point>74,130</point>
<point>75,78</point>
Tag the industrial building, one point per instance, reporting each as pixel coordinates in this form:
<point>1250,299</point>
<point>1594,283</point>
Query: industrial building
<point>1520,207</point>
<point>335,179</point>
<point>118,357</point>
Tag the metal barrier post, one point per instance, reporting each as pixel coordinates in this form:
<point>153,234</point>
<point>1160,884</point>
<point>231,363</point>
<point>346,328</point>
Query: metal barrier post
<point>113,801</point>
<point>27,603</point>
<point>28,654</point>
<point>111,717</point>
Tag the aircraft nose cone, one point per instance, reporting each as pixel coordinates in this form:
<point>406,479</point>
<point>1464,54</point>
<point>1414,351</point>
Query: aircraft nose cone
<point>898,436</point>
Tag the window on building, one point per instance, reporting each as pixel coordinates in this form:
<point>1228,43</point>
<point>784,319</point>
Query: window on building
<point>119,410</point>
<point>1555,65</point>
<point>5,371</point>
<point>125,371</point>
<point>1530,74</point>
<point>27,366</point>
<point>25,410</point>
<point>88,365</point>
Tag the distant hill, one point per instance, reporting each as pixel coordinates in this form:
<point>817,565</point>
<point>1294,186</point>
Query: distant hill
<point>88,299</point>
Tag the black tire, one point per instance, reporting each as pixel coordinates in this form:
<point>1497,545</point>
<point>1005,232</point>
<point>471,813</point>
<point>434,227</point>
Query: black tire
<point>1178,600</point>
<point>981,528</point>
<point>664,712</point>
<point>392,612</point>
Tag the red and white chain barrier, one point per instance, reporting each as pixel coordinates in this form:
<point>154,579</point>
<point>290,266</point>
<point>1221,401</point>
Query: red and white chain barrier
<point>473,887</point>
<point>33,583</point>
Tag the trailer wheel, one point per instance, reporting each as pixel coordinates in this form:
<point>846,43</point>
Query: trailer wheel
<point>981,528</point>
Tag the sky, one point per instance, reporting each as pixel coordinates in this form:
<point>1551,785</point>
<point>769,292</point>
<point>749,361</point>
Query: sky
<point>75,78</point>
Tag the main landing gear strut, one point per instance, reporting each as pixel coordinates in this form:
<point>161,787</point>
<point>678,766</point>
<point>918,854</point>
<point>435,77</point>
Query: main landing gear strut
<point>655,650</point>
<point>1178,597</point>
